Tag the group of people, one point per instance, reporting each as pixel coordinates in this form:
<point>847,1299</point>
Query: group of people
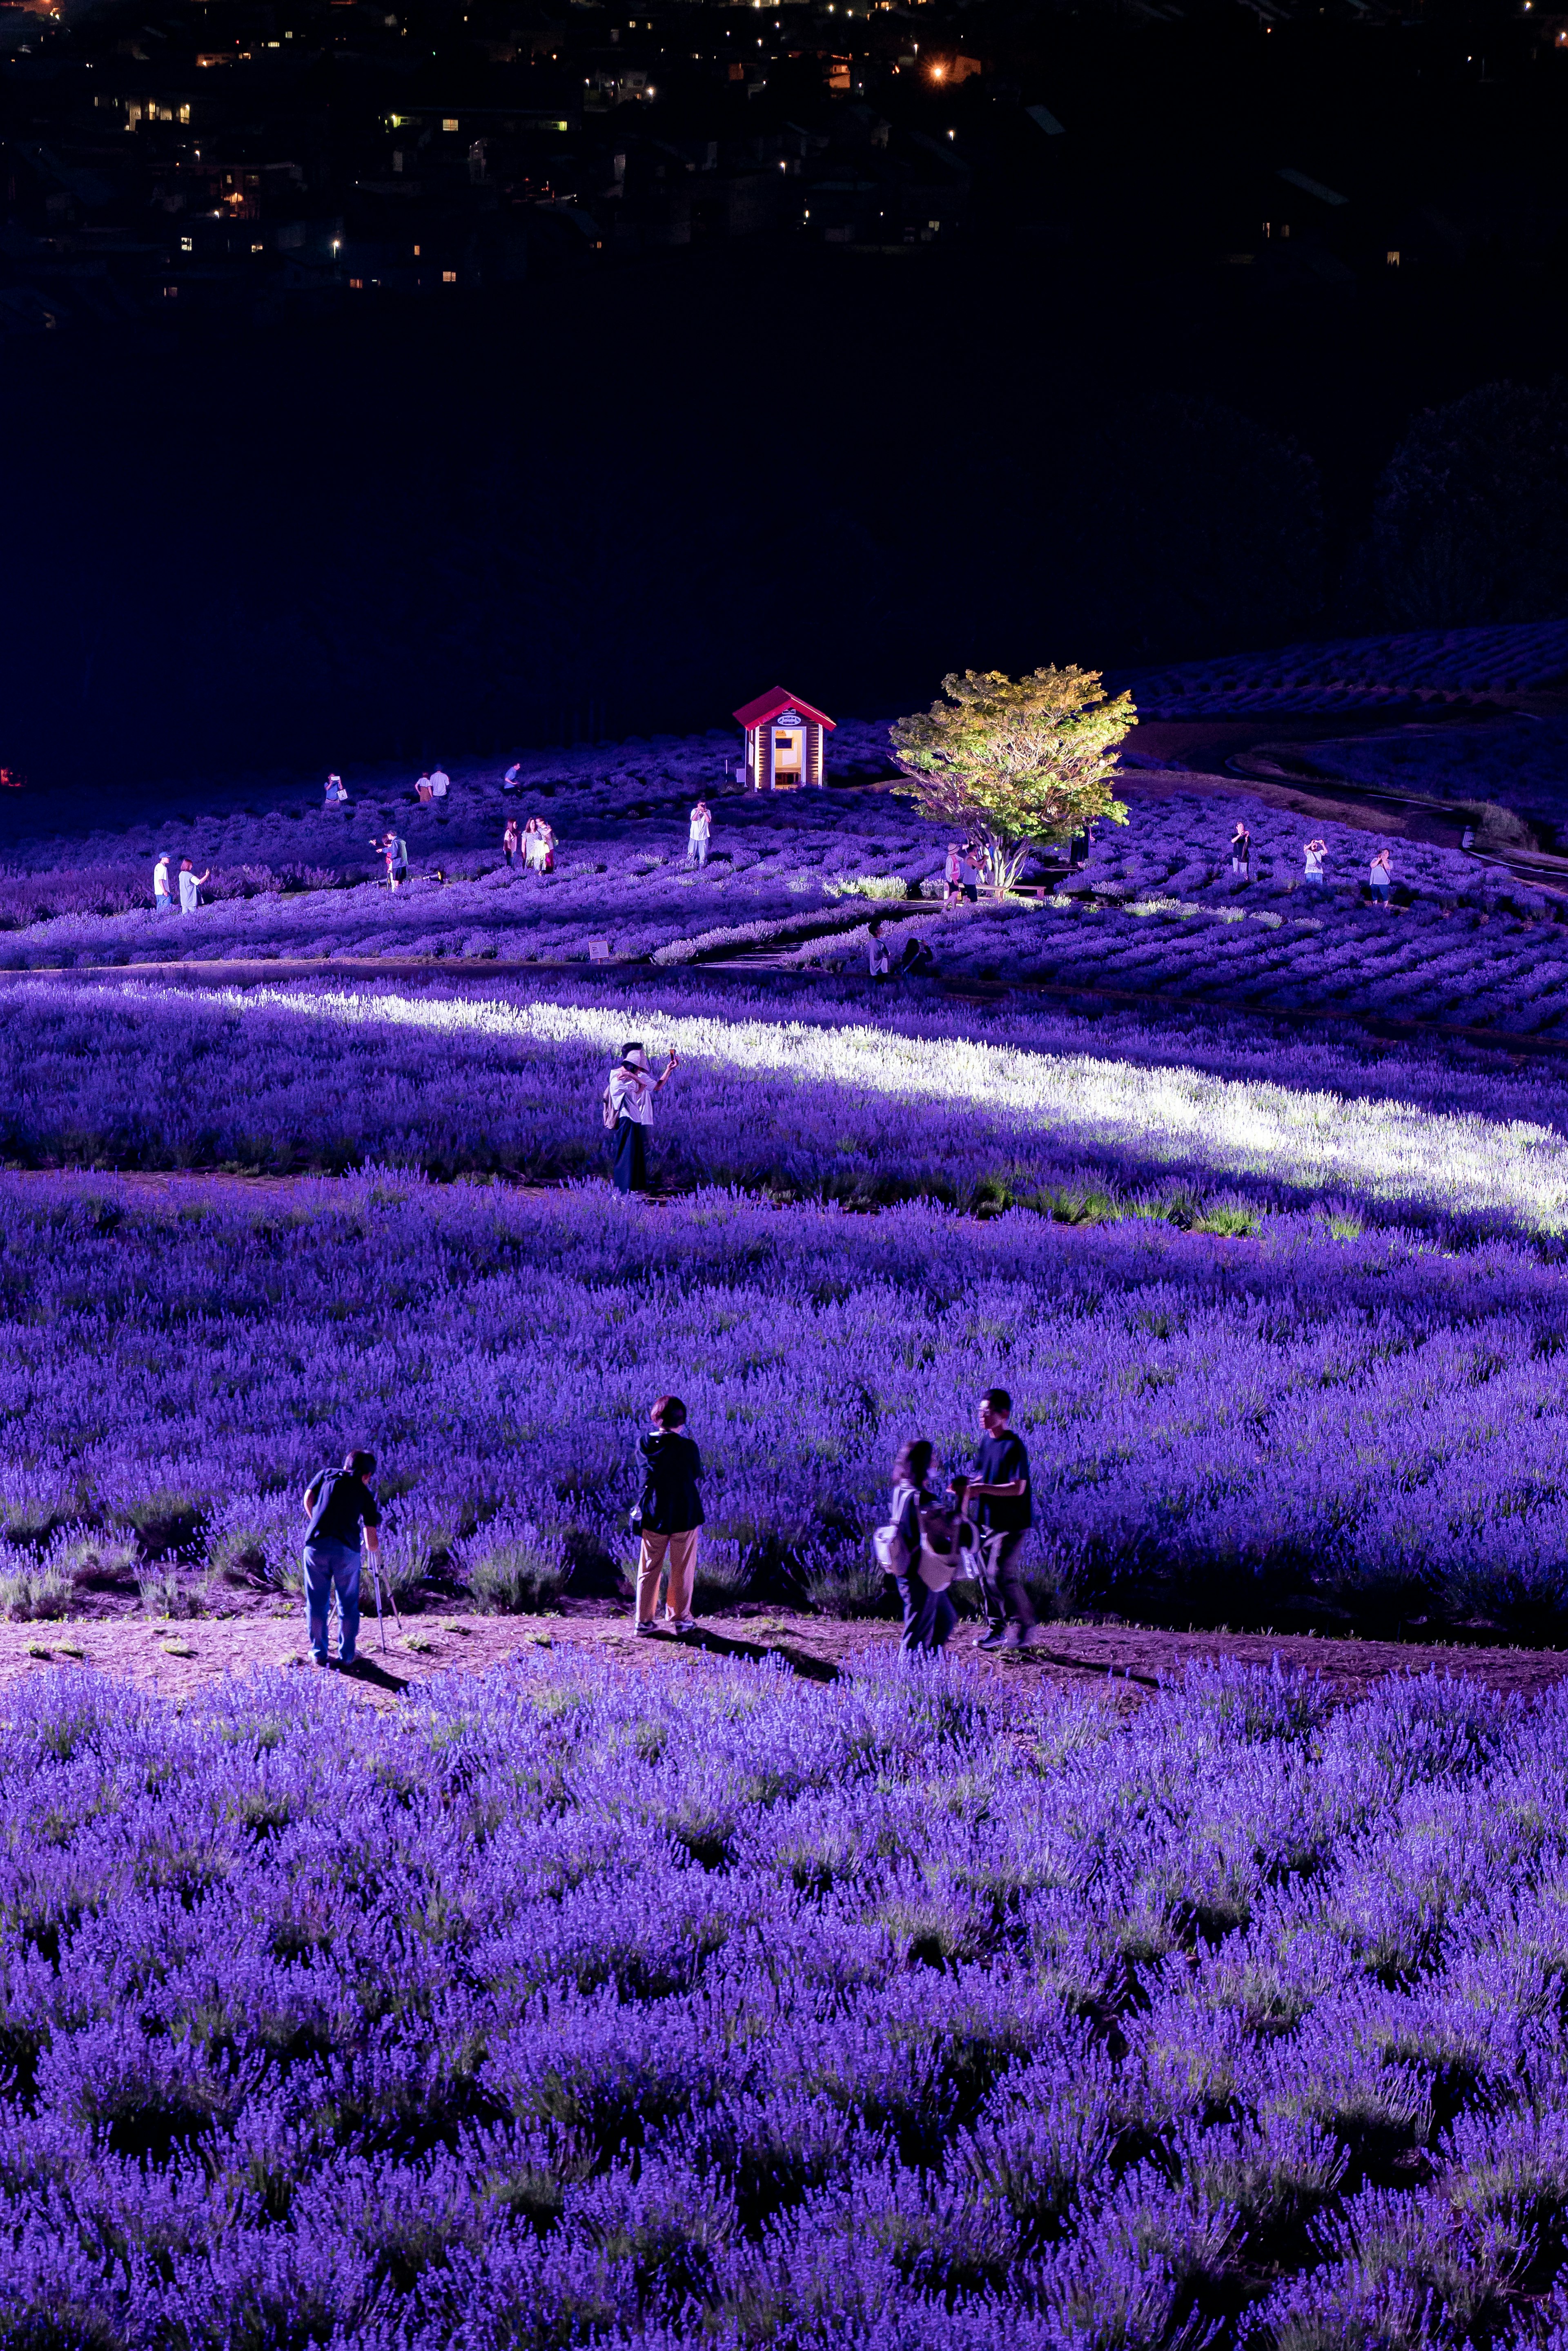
<point>914,957</point>
<point>974,1531</point>
<point>434,785</point>
<point>961,878</point>
<point>1315,854</point>
<point>189,885</point>
<point>536,844</point>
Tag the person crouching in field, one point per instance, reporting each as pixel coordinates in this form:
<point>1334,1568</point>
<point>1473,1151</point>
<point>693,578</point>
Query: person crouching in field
<point>337,1502</point>
<point>668,1515</point>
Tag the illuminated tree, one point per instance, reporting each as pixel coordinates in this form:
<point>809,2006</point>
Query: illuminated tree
<point>1008,761</point>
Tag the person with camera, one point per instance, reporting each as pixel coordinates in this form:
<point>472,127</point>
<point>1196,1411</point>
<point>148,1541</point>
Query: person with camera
<point>627,1107</point>
<point>338,1503</point>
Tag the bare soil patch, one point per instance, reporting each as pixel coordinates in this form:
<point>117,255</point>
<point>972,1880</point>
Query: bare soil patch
<point>1118,1664</point>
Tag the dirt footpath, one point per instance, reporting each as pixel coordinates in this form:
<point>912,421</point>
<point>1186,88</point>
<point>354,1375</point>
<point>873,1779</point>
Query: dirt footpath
<point>1117,1665</point>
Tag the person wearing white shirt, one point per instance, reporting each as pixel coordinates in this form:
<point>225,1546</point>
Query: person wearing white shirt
<point>191,886</point>
<point>628,1115</point>
<point>440,783</point>
<point>1381,878</point>
<point>161,898</point>
<point>702,833</point>
<point>1315,851</point>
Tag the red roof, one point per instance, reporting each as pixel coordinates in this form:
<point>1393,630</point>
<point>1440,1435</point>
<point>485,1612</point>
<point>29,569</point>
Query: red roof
<point>772,704</point>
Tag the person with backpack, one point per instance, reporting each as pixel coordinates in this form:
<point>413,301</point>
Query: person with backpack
<point>338,1503</point>
<point>921,1571</point>
<point>667,1518</point>
<point>1000,1483</point>
<point>626,1104</point>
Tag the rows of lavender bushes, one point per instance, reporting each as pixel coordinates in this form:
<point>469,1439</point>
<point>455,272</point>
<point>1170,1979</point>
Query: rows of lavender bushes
<point>1156,909</point>
<point>1075,1117</point>
<point>568,2009</point>
<point>1363,673</point>
<point>1317,1425</point>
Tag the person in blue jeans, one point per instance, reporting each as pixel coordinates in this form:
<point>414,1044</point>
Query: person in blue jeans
<point>338,1503</point>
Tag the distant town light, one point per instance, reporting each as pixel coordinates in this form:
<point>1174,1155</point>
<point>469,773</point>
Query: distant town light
<point>1392,261</point>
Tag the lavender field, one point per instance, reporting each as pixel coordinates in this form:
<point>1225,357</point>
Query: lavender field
<point>973,1109</point>
<point>1317,1424</point>
<point>1155,909</point>
<point>561,2009</point>
<point>652,1999</point>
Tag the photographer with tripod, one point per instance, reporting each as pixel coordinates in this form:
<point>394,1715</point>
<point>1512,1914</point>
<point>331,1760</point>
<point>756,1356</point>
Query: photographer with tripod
<point>337,1502</point>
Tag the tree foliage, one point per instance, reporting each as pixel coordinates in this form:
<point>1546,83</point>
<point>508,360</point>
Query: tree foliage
<point>1011,760</point>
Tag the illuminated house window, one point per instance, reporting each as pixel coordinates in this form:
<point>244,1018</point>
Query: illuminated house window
<point>416,252</point>
<point>448,123</point>
<point>185,114</point>
<point>185,245</point>
<point>449,278</point>
<point>171,293</point>
<point>1392,259</point>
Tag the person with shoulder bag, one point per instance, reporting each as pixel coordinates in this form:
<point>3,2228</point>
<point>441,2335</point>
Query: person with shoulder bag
<point>667,1518</point>
<point>918,1548</point>
<point>627,1108</point>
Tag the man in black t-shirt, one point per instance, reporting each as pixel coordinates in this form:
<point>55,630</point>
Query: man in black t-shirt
<point>338,1503</point>
<point>999,1483</point>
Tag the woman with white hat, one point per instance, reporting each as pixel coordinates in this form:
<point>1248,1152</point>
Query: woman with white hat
<point>628,1104</point>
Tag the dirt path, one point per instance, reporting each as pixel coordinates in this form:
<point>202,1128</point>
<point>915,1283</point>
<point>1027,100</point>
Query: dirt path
<point>1118,1665</point>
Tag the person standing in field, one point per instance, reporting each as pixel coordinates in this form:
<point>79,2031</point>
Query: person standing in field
<point>533,849</point>
<point>1241,851</point>
<point>338,1503</point>
<point>547,846</point>
<point>1000,1484</point>
<point>929,1615</point>
<point>422,792</point>
<point>1381,877</point>
<point>668,1516</point>
<point>952,876</point>
<point>628,1113</point>
<point>440,783</point>
<point>1315,851</point>
<point>161,899</point>
<point>509,841</point>
<point>702,833</point>
<point>396,853</point>
<point>878,956</point>
<point>191,886</point>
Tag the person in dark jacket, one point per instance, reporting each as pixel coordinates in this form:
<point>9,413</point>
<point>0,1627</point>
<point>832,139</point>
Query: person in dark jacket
<point>670,1514</point>
<point>1000,1484</point>
<point>929,1616</point>
<point>338,1503</point>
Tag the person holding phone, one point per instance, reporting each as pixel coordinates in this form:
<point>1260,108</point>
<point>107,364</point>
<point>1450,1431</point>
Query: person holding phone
<point>627,1105</point>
